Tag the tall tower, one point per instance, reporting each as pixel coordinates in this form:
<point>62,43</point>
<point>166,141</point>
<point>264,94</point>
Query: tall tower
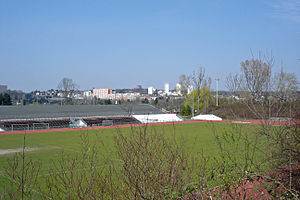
<point>167,88</point>
<point>178,88</point>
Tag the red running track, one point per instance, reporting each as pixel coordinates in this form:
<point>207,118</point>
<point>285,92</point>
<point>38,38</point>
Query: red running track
<point>152,124</point>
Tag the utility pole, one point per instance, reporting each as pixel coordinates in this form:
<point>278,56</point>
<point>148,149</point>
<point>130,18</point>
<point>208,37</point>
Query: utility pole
<point>37,96</point>
<point>193,110</point>
<point>61,99</point>
<point>217,91</point>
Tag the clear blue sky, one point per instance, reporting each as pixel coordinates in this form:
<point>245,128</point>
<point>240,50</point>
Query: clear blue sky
<point>119,44</point>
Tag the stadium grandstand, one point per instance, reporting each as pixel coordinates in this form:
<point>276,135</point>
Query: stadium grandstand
<point>13,118</point>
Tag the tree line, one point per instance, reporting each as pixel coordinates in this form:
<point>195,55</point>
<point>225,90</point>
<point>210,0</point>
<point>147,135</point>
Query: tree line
<point>5,99</point>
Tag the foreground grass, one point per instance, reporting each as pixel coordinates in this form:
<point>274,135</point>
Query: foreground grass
<point>199,137</point>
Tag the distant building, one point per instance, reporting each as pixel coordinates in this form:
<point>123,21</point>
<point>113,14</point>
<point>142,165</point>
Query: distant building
<point>167,88</point>
<point>190,89</point>
<point>3,88</point>
<point>138,87</point>
<point>178,89</point>
<point>134,90</point>
<point>102,93</point>
<point>125,96</point>
<point>151,90</point>
<point>87,93</point>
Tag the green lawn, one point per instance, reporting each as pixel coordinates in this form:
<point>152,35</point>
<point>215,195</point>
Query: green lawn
<point>48,147</point>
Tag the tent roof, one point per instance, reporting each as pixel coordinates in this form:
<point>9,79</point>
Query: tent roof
<point>207,117</point>
<point>155,118</point>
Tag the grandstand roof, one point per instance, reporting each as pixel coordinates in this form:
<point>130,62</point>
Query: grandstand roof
<point>55,111</point>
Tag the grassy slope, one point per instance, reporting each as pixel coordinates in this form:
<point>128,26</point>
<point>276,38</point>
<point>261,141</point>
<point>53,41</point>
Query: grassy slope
<point>200,136</point>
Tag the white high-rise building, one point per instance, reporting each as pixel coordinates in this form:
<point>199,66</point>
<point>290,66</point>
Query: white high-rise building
<point>190,89</point>
<point>167,88</point>
<point>151,90</point>
<point>178,88</point>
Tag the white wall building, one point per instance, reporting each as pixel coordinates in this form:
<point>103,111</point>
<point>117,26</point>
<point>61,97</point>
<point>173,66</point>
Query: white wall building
<point>178,89</point>
<point>87,93</point>
<point>151,90</point>
<point>190,89</point>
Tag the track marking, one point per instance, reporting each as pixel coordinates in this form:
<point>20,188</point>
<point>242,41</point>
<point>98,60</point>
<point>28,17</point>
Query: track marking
<point>10,151</point>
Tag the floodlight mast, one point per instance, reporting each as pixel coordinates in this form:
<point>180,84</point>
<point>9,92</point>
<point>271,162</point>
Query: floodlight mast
<point>217,91</point>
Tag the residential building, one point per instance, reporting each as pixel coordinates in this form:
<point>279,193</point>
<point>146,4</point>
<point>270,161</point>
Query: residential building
<point>102,93</point>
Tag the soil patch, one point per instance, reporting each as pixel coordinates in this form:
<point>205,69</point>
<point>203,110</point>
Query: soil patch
<point>275,184</point>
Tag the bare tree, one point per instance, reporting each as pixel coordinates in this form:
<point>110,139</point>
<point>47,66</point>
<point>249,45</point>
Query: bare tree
<point>233,83</point>
<point>286,85</point>
<point>195,81</point>
<point>198,80</point>
<point>186,87</point>
<point>185,82</point>
<point>129,107</point>
<point>263,91</point>
<point>284,93</point>
<point>68,87</point>
<point>207,85</point>
<point>257,75</point>
<point>256,84</point>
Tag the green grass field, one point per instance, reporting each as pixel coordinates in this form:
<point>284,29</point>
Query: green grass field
<point>47,147</point>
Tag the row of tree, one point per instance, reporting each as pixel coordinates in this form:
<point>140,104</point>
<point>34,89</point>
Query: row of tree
<point>265,93</point>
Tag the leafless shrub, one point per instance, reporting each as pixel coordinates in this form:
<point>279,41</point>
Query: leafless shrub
<point>154,167</point>
<point>147,165</point>
<point>246,153</point>
<point>237,153</point>
<point>269,97</point>
<point>85,176</point>
<point>22,174</point>
<point>233,84</point>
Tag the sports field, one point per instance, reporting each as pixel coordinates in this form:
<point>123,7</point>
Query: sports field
<point>47,148</point>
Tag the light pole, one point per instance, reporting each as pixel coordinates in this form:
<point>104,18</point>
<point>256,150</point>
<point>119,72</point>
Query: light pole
<point>217,90</point>
<point>61,99</point>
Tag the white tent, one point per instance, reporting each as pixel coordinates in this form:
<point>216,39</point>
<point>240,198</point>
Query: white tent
<point>1,129</point>
<point>206,117</point>
<point>156,118</point>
